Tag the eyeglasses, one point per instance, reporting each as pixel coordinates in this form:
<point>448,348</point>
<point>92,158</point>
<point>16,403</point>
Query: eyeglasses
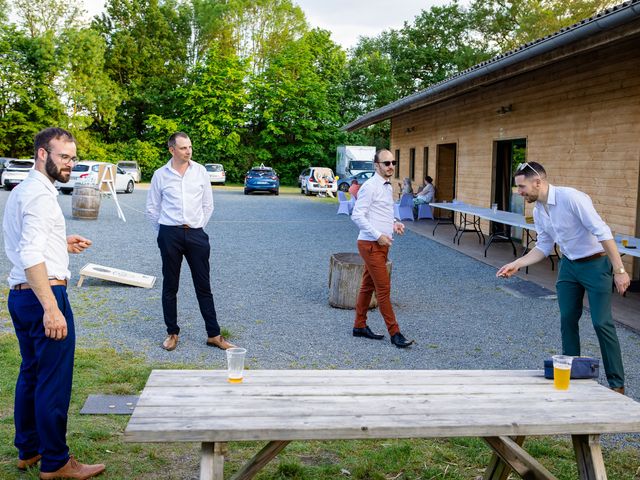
<point>65,158</point>
<point>524,165</point>
<point>388,164</point>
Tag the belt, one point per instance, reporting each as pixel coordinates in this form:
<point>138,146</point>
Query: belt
<point>52,281</point>
<point>590,257</point>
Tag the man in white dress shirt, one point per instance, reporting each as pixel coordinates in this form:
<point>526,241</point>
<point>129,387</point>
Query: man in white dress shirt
<point>37,245</point>
<point>567,217</point>
<point>179,205</point>
<point>373,214</point>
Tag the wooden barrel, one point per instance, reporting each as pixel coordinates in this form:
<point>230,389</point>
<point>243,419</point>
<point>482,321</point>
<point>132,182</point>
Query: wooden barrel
<point>345,278</point>
<point>85,202</point>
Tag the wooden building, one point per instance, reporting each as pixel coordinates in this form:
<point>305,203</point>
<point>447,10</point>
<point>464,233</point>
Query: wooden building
<point>570,101</point>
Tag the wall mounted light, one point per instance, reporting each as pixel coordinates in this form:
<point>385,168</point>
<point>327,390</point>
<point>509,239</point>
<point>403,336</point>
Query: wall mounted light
<point>410,129</point>
<point>504,109</point>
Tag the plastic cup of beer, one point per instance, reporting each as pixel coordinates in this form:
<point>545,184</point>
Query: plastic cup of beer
<point>625,242</point>
<point>494,207</point>
<point>235,364</point>
<point>561,371</point>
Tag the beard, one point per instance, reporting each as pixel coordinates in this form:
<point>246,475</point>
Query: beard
<point>60,174</point>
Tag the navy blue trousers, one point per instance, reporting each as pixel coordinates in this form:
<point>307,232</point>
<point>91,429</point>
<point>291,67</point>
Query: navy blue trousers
<point>192,244</point>
<point>43,390</point>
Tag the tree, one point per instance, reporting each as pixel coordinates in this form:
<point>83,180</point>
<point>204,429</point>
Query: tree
<point>39,17</point>
<point>295,114</point>
<point>508,24</point>
<point>213,106</point>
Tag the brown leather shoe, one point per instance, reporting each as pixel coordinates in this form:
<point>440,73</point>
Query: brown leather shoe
<point>219,342</point>
<point>170,343</point>
<point>74,469</point>
<point>618,390</point>
<point>29,462</point>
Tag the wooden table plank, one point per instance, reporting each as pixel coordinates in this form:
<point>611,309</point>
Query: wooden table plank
<point>199,405</point>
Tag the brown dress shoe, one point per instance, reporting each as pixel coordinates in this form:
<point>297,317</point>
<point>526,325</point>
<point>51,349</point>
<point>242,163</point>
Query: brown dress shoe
<point>170,343</point>
<point>219,342</point>
<point>74,469</point>
<point>618,390</point>
<point>24,464</point>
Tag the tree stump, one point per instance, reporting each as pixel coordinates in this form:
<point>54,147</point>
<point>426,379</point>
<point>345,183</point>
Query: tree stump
<point>345,278</point>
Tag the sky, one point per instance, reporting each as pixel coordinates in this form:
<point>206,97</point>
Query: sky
<point>347,20</point>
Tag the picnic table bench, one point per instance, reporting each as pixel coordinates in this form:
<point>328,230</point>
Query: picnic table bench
<point>280,406</point>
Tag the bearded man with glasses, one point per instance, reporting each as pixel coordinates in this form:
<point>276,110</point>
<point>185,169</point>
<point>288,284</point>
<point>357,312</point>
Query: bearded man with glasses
<point>36,243</point>
<point>373,214</point>
<point>566,216</point>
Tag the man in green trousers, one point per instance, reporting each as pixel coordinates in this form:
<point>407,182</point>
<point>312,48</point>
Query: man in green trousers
<point>566,216</point>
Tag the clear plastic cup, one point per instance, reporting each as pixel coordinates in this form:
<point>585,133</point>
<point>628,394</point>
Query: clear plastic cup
<point>235,364</point>
<point>494,207</point>
<point>561,371</point>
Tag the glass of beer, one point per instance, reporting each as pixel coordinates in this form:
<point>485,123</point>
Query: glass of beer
<point>235,364</point>
<point>561,371</point>
<point>625,242</point>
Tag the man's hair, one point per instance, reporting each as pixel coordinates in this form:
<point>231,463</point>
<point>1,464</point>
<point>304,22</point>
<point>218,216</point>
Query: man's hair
<point>428,179</point>
<point>376,157</point>
<point>44,137</point>
<point>531,170</point>
<point>174,137</point>
<point>354,182</point>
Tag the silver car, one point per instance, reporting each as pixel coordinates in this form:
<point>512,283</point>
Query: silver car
<point>133,169</point>
<point>216,173</point>
<point>86,173</point>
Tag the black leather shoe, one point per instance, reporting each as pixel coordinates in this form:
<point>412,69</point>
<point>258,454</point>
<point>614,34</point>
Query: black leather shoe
<point>399,341</point>
<point>366,332</point>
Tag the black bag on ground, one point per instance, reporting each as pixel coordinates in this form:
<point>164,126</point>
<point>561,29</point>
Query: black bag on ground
<point>581,367</point>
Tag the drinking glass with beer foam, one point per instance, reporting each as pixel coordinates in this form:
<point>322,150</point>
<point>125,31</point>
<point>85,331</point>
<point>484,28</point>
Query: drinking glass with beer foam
<point>235,364</point>
<point>561,371</point>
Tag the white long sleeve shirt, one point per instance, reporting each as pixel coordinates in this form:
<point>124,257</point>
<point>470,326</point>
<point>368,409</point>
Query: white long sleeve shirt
<point>572,223</point>
<point>373,211</point>
<point>34,229</point>
<point>174,199</point>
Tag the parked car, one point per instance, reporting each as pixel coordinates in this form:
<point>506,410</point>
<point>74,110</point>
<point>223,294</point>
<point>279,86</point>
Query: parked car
<point>132,168</point>
<point>15,171</point>
<point>261,179</point>
<point>345,183</point>
<point>86,172</point>
<point>216,173</point>
<point>310,184</point>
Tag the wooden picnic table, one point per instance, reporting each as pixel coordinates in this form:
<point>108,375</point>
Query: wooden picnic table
<point>279,406</point>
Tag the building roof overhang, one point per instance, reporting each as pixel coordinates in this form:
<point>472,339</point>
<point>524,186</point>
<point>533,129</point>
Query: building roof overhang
<point>609,26</point>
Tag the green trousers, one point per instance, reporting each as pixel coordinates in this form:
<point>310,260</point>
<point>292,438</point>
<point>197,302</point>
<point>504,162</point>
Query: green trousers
<point>594,277</point>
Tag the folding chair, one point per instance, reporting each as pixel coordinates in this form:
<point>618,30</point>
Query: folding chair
<point>425,211</point>
<point>404,210</point>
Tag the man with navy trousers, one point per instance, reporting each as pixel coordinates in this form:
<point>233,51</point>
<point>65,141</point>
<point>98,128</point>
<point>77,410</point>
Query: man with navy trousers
<point>179,206</point>
<point>38,247</point>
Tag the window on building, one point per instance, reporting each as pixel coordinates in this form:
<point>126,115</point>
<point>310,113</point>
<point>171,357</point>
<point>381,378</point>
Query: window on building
<point>398,163</point>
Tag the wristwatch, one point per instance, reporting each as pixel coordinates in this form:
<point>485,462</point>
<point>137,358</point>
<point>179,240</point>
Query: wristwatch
<point>620,270</point>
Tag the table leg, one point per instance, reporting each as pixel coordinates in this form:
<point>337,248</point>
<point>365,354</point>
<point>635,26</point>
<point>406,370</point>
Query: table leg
<point>262,458</point>
<point>518,459</point>
<point>80,281</point>
<point>589,457</point>
<point>497,469</point>
<point>212,460</point>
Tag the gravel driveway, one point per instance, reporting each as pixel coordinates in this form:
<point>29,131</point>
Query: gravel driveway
<point>270,259</point>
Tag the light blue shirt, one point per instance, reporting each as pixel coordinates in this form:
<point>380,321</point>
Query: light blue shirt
<point>572,223</point>
<point>174,199</point>
<point>34,229</point>
<point>373,211</point>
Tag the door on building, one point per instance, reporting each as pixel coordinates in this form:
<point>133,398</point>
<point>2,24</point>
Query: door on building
<point>508,155</point>
<point>446,172</point>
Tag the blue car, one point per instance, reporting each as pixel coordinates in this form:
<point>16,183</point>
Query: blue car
<point>261,179</point>
<point>345,183</point>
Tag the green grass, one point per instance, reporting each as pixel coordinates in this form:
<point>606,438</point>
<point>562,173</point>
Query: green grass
<point>99,439</point>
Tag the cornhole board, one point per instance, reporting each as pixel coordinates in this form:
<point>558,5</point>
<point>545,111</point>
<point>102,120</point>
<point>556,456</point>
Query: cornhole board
<point>116,275</point>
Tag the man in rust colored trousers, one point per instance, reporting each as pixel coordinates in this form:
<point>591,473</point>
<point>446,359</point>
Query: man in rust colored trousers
<point>373,214</point>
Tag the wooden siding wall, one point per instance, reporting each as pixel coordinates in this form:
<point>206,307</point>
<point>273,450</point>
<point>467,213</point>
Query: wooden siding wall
<point>580,118</point>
